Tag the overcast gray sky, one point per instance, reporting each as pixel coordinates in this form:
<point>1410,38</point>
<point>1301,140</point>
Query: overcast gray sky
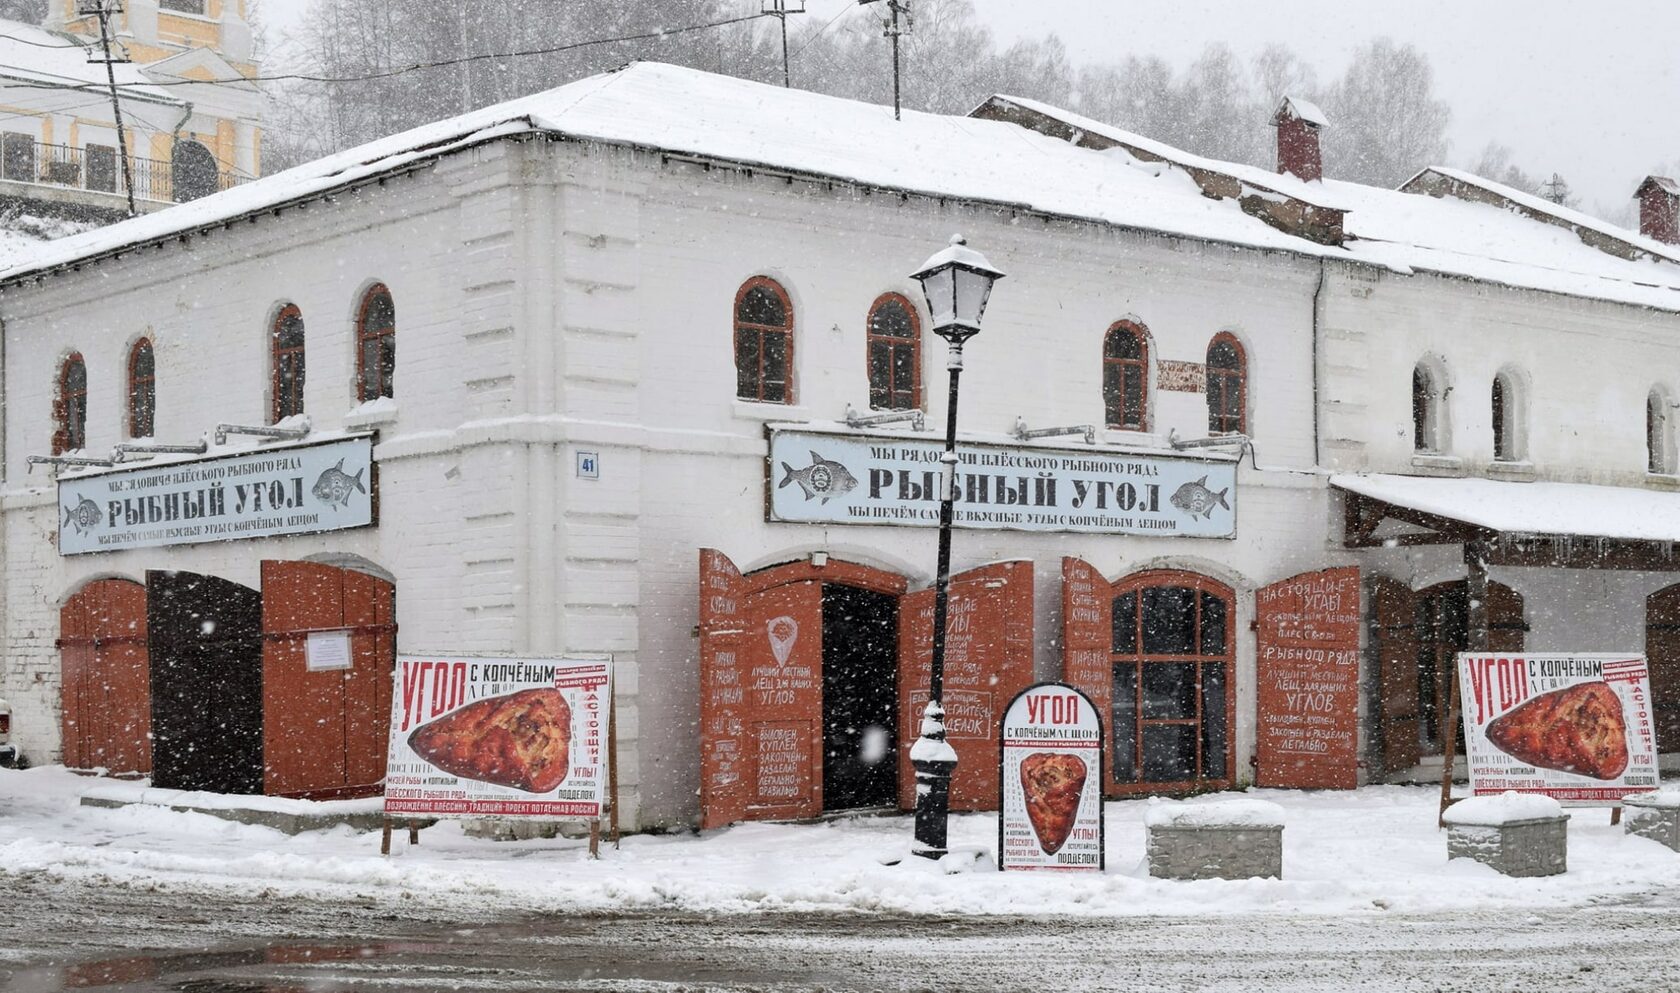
<point>1586,89</point>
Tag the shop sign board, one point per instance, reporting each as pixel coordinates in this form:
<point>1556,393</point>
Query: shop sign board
<point>499,737</point>
<point>842,479</point>
<point>301,489</point>
<point>1575,727</point>
<point>1050,779</point>
<point>1308,654</point>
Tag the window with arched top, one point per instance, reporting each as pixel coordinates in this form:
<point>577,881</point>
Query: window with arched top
<point>1506,407</point>
<point>763,342</point>
<point>895,354</point>
<point>1659,433</point>
<point>70,406</point>
<point>285,345</point>
<point>1227,386</point>
<point>142,389</point>
<point>1126,376</point>
<point>376,345</point>
<point>1428,413</point>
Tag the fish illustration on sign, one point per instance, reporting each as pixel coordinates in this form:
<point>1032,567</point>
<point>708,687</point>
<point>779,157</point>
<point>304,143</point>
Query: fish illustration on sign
<point>823,477</point>
<point>84,515</point>
<point>335,485</point>
<point>1198,499</point>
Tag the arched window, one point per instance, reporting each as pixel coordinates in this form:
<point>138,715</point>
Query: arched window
<point>1126,376</point>
<point>1427,396</point>
<point>142,389</point>
<point>285,343</point>
<point>1506,407</point>
<point>376,345</point>
<point>1659,433</point>
<point>70,432</point>
<point>895,354</point>
<point>1227,386</point>
<point>763,342</point>
<point>1174,689</point>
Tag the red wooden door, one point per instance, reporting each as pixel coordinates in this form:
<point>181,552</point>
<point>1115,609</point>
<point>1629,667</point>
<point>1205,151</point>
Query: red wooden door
<point>1662,654</point>
<point>723,691</point>
<point>783,655</point>
<point>106,699</point>
<point>988,659</point>
<point>1087,642</point>
<point>1395,641</point>
<point>325,731</point>
<point>1308,669</point>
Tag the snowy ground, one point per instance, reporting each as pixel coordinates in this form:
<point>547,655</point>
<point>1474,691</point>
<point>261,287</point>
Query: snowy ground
<point>1369,852</point>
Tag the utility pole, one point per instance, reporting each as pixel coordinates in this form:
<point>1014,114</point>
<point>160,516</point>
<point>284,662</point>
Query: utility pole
<point>780,9</point>
<point>103,9</point>
<point>895,29</point>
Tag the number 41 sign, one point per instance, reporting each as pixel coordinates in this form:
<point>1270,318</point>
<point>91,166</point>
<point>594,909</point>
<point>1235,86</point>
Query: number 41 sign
<point>1051,776</point>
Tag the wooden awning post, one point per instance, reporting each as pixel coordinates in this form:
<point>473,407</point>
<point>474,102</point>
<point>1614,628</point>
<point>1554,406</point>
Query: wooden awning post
<point>1476,590</point>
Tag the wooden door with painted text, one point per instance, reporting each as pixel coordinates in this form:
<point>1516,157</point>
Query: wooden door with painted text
<point>1087,642</point>
<point>106,698</point>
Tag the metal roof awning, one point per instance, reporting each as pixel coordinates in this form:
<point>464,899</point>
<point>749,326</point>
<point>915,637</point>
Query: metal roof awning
<point>1567,525</point>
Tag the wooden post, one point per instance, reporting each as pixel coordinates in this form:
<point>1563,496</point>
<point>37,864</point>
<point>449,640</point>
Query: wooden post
<point>595,838</point>
<point>612,764</point>
<point>414,832</point>
<point>385,838</point>
<point>1475,563</point>
<point>1615,816</point>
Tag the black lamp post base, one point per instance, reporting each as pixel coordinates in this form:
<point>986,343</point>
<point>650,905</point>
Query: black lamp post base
<point>933,803</point>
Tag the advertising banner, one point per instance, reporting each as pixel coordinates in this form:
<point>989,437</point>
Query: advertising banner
<point>300,489</point>
<point>840,479</point>
<point>1576,728</point>
<point>1308,657</point>
<point>499,737</point>
<point>1050,776</point>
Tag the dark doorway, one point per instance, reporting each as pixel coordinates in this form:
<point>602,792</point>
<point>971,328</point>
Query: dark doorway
<point>860,698</point>
<point>1662,652</point>
<point>1443,630</point>
<point>193,171</point>
<point>205,639</point>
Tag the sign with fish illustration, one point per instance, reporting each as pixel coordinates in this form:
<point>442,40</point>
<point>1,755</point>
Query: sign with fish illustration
<point>852,479</point>
<point>300,489</point>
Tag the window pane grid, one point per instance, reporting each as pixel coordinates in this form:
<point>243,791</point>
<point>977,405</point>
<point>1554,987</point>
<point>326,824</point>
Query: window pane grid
<point>286,343</point>
<point>763,343</point>
<point>1171,713</point>
<point>377,355</point>
<point>142,390</point>
<point>894,355</point>
<point>1125,371</point>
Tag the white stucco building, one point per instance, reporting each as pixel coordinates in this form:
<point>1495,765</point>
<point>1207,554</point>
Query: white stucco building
<point>594,332</point>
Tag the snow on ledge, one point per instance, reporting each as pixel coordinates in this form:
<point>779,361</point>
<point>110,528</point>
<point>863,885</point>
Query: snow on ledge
<point>1239,813</point>
<point>1667,798</point>
<point>1509,807</point>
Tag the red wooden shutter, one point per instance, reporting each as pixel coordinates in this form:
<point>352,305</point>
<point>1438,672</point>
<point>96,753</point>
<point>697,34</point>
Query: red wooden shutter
<point>782,662</point>
<point>370,611</point>
<point>303,711</point>
<point>1088,640</point>
<point>988,659</point>
<point>1394,609</point>
<point>1308,670</point>
<point>724,768</point>
<point>105,702</point>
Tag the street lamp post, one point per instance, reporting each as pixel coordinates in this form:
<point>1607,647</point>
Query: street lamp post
<point>957,282</point>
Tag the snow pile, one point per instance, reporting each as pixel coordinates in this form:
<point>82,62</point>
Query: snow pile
<point>1222,813</point>
<point>1507,808</point>
<point>132,792</point>
<point>1663,799</point>
<point>23,236</point>
<point>1369,851</point>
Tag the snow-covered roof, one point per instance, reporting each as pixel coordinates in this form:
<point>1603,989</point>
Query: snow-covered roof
<point>1304,110</point>
<point>1538,509</point>
<point>36,55</point>
<point>1663,183</point>
<point>687,112</point>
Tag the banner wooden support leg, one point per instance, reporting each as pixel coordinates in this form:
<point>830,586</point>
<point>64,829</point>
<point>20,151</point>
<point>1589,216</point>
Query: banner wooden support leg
<point>414,832</point>
<point>612,765</point>
<point>385,839</point>
<point>1615,816</point>
<point>595,838</point>
<point>1476,580</point>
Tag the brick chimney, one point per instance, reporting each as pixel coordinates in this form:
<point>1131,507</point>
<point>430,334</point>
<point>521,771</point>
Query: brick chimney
<point>1297,122</point>
<point>1659,209</point>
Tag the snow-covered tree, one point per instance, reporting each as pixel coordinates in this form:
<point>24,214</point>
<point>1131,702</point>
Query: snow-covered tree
<point>1385,121</point>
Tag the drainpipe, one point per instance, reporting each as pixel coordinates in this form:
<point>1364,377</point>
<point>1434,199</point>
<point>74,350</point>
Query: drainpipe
<point>1318,413</point>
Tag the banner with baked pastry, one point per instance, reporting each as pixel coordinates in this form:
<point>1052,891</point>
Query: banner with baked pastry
<point>1051,776</point>
<point>499,737</point>
<point>1577,728</point>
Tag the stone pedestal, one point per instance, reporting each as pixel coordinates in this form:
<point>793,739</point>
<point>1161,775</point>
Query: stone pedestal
<point>1516,835</point>
<point>1231,839</point>
<point>1654,815</point>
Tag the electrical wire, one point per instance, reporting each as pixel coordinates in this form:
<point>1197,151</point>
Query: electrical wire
<point>418,66</point>
<point>820,31</point>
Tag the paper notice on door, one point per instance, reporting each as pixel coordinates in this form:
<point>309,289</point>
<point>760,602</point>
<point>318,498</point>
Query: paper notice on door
<point>327,650</point>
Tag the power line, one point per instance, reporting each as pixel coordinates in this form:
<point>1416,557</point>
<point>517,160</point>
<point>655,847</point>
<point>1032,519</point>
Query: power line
<point>821,31</point>
<point>418,66</point>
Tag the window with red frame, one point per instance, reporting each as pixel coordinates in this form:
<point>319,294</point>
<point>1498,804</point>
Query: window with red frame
<point>895,354</point>
<point>376,345</point>
<point>286,363</point>
<point>142,389</point>
<point>763,342</point>
<point>1227,387</point>
<point>1126,376</point>
<point>70,432</point>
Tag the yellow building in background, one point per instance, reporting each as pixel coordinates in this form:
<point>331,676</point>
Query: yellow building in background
<point>191,114</point>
